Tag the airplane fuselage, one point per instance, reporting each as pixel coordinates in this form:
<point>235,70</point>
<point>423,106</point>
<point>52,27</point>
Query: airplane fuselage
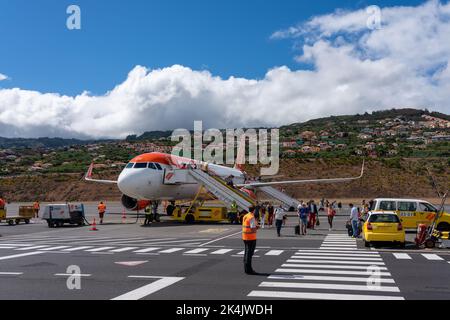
<point>144,177</point>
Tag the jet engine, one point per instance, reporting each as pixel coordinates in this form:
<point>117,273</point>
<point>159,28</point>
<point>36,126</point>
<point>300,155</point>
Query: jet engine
<point>134,204</point>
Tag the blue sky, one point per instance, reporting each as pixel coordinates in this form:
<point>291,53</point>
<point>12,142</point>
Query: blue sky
<point>228,38</point>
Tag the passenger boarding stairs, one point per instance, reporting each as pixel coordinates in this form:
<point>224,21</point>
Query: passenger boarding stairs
<point>286,201</point>
<point>222,191</point>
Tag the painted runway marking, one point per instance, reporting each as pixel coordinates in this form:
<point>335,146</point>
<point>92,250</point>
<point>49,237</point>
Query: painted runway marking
<point>11,273</point>
<point>71,275</point>
<point>21,255</point>
<point>274,252</point>
<point>342,258</point>
<point>326,254</point>
<point>146,250</point>
<point>325,266</point>
<point>54,248</point>
<point>327,286</point>
<point>31,248</point>
<point>147,290</point>
<point>77,249</point>
<point>222,238</point>
<point>319,296</point>
<point>196,251</point>
<point>327,278</point>
<point>124,249</point>
<point>222,251</point>
<point>356,273</point>
<point>402,256</point>
<point>172,250</point>
<point>432,257</point>
<point>367,263</point>
<point>100,249</point>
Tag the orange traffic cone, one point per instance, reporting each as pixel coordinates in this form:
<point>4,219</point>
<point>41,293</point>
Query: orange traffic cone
<point>94,226</point>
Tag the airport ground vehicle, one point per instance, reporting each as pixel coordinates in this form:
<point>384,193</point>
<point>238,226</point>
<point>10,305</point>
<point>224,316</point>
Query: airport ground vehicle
<point>191,214</point>
<point>57,215</point>
<point>413,212</point>
<point>26,213</point>
<point>383,227</point>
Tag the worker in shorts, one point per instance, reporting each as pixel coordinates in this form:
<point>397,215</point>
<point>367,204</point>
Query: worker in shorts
<point>101,211</point>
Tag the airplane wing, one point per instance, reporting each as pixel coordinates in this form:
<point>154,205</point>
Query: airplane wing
<point>88,177</point>
<point>275,183</point>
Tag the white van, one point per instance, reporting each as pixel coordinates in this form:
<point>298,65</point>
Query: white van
<point>57,215</point>
<point>412,212</point>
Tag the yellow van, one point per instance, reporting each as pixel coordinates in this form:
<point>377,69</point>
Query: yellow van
<point>412,212</point>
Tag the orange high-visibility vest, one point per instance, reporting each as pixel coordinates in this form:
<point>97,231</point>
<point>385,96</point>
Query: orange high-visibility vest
<point>36,206</point>
<point>101,208</point>
<point>247,233</point>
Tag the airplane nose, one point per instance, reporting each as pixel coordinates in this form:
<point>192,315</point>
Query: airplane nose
<point>125,184</point>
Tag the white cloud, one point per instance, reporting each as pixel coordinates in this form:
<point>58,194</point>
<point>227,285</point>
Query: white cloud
<point>3,77</point>
<point>354,69</point>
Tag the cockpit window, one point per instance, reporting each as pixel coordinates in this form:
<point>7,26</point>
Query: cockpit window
<point>140,166</point>
<point>152,166</point>
<point>130,165</point>
<point>158,166</point>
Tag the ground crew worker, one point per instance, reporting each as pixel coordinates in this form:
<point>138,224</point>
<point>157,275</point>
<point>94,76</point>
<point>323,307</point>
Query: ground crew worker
<point>249,229</point>
<point>36,208</point>
<point>155,206</point>
<point>148,216</point>
<point>101,211</point>
<point>232,215</point>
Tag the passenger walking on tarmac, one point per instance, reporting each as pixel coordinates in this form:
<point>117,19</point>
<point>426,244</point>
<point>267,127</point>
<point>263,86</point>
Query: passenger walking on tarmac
<point>257,211</point>
<point>101,211</point>
<point>270,211</point>
<point>280,217</point>
<point>331,213</point>
<point>263,215</point>
<point>36,208</point>
<point>303,215</point>
<point>354,218</point>
<point>313,212</point>
<point>249,230</point>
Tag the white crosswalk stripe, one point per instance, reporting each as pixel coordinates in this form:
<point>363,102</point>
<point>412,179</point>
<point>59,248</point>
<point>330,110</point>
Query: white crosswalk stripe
<point>32,248</point>
<point>274,252</point>
<point>54,248</point>
<point>172,250</point>
<point>196,251</point>
<point>146,250</point>
<point>336,271</point>
<point>100,249</point>
<point>433,257</point>
<point>402,256</point>
<point>222,251</point>
<point>77,249</point>
<point>124,249</point>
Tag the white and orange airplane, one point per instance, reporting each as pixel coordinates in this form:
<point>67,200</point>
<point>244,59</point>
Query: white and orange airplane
<point>148,178</point>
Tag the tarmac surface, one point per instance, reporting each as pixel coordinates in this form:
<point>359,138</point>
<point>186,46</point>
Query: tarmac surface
<point>175,261</point>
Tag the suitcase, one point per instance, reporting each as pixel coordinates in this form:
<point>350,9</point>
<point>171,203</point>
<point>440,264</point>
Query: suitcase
<point>297,230</point>
<point>349,229</point>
